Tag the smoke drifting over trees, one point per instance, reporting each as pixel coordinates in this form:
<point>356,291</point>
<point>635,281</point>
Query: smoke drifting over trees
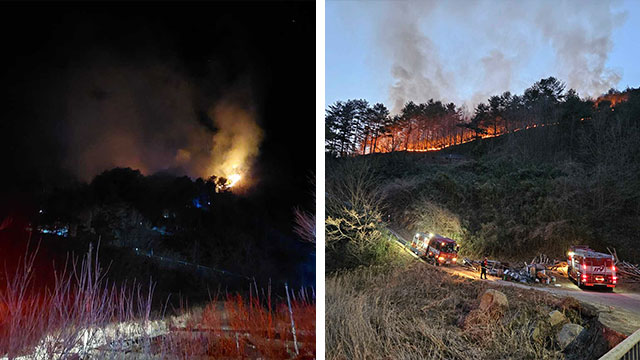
<point>107,106</point>
<point>192,90</point>
<point>236,142</point>
<point>148,118</point>
<point>490,42</point>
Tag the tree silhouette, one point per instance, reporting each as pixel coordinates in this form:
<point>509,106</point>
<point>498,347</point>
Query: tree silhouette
<point>353,127</point>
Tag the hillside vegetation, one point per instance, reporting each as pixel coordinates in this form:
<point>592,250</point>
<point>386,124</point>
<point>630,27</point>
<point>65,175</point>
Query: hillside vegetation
<point>380,312</point>
<point>532,191</point>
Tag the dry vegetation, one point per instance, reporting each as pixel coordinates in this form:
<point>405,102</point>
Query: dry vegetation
<point>237,328</point>
<point>518,195</point>
<point>418,312</point>
<point>83,315</point>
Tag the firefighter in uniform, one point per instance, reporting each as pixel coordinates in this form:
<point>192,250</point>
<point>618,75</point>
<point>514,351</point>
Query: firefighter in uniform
<point>484,265</point>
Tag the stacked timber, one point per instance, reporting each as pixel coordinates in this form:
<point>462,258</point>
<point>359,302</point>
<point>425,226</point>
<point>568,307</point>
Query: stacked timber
<point>627,272</point>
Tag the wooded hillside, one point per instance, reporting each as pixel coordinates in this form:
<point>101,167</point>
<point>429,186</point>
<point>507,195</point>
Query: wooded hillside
<point>570,175</point>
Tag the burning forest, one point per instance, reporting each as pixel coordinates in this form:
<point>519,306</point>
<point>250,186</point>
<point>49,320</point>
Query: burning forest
<point>546,175</point>
<point>450,166</point>
<point>150,205</point>
<point>356,128</point>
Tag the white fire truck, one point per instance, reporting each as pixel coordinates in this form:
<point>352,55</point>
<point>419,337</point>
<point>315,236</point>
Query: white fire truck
<point>590,268</point>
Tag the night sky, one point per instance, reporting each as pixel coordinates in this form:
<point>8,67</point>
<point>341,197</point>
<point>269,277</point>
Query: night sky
<point>256,55</point>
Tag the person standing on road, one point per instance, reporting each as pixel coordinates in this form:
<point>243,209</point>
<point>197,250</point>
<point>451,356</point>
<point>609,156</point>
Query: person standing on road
<point>484,265</point>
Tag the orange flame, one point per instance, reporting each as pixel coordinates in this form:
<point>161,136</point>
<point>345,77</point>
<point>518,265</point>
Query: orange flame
<point>613,98</point>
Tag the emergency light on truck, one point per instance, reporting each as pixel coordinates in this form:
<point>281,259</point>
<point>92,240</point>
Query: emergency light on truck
<point>437,247</point>
<point>591,268</point>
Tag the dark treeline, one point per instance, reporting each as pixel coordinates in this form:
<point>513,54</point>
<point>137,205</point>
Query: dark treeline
<point>354,127</point>
<point>193,221</point>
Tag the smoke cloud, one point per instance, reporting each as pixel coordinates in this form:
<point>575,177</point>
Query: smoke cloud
<point>417,69</point>
<point>235,142</point>
<point>153,118</point>
<point>465,51</point>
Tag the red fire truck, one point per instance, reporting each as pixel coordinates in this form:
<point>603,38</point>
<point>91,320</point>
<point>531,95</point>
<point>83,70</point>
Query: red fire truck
<point>433,246</point>
<point>590,268</point>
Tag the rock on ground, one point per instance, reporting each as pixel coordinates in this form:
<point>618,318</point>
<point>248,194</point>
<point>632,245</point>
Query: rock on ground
<point>556,318</point>
<point>492,306</point>
<point>567,334</point>
<point>492,300</point>
<point>548,327</point>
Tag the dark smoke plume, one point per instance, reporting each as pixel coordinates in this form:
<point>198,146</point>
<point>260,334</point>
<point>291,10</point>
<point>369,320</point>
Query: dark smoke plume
<point>150,117</point>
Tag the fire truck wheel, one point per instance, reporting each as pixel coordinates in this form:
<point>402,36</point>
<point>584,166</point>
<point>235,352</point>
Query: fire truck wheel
<point>579,283</point>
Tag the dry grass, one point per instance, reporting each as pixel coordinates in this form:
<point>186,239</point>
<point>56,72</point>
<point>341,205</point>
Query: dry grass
<point>82,315</point>
<point>79,312</point>
<point>418,312</point>
<point>238,328</point>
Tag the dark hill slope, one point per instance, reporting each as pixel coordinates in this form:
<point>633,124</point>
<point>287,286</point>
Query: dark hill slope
<point>521,194</point>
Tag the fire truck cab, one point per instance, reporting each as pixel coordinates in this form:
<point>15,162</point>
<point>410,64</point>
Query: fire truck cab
<point>590,268</point>
<point>437,247</point>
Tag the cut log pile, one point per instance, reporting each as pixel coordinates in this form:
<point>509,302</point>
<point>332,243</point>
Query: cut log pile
<point>538,270</point>
<point>494,267</point>
<point>543,260</point>
<point>627,272</point>
<point>535,271</point>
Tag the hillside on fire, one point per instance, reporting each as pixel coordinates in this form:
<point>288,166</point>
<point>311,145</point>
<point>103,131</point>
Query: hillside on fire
<point>482,180</point>
<point>177,148</point>
<point>524,174</point>
<point>150,204</point>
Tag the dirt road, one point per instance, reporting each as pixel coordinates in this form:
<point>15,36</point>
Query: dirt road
<point>619,310</point>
